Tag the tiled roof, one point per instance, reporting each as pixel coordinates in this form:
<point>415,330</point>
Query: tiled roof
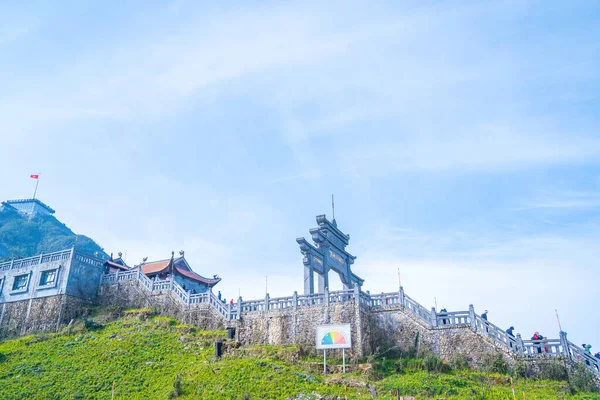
<point>181,268</point>
<point>117,265</point>
<point>155,267</point>
<point>196,277</point>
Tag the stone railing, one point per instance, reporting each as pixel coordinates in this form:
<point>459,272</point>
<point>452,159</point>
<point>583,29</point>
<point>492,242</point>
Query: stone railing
<point>432,319</point>
<point>41,259</point>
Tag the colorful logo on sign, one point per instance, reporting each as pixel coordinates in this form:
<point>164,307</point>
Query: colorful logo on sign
<point>333,337</point>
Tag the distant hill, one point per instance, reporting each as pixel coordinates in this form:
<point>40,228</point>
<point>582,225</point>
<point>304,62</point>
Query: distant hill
<point>21,236</point>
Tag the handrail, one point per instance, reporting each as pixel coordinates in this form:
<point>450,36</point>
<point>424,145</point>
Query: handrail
<point>36,260</point>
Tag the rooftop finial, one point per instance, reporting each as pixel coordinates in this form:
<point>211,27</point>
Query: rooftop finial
<point>333,211</point>
<point>333,207</point>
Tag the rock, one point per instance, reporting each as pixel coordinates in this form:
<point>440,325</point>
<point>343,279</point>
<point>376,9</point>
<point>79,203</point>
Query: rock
<point>373,392</point>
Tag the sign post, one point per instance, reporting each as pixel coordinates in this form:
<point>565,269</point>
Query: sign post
<point>334,336</point>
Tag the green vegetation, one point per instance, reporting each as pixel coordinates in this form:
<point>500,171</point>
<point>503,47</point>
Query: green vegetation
<point>24,237</point>
<point>155,357</point>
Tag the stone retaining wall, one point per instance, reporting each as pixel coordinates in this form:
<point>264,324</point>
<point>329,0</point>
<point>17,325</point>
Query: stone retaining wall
<point>129,294</point>
<point>44,314</point>
<point>298,326</point>
<point>392,327</point>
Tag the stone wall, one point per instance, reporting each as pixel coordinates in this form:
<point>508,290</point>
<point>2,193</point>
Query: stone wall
<point>130,294</point>
<point>44,314</point>
<point>392,327</point>
<point>298,326</point>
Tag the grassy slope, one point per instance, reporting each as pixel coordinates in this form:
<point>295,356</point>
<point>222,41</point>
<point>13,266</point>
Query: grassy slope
<point>143,358</point>
<point>43,234</point>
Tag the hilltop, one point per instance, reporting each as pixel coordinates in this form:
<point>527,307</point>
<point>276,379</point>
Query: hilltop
<point>147,356</point>
<point>22,236</point>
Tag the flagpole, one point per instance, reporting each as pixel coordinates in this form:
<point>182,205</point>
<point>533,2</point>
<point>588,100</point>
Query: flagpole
<point>37,182</point>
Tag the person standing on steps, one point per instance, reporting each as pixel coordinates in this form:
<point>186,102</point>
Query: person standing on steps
<point>511,337</point>
<point>586,348</point>
<point>484,316</point>
<point>537,338</point>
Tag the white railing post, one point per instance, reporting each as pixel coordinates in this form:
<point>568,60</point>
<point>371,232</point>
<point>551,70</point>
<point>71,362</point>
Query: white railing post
<point>472,317</point>
<point>520,345</point>
<point>401,294</point>
<point>565,344</point>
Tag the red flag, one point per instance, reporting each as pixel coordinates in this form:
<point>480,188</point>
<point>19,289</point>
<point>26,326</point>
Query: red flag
<point>34,176</point>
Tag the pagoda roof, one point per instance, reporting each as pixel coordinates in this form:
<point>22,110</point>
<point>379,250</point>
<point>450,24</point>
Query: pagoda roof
<point>180,266</point>
<point>114,264</point>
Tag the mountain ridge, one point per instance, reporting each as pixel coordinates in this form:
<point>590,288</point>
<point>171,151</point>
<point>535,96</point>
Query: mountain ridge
<point>24,236</point>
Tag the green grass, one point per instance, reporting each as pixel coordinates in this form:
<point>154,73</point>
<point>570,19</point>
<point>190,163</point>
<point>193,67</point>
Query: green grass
<point>160,358</point>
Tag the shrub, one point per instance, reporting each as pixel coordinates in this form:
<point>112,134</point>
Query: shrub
<point>92,325</point>
<point>522,370</point>
<point>432,363</point>
<point>495,363</point>
<point>140,313</point>
<point>582,379</point>
<point>554,370</point>
<point>459,361</point>
<point>177,390</point>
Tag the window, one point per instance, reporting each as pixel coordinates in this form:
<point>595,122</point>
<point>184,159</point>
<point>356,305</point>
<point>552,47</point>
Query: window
<point>48,278</point>
<point>20,282</point>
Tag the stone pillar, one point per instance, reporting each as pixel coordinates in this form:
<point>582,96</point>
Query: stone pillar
<point>295,300</point>
<point>433,317</point>
<point>239,307</point>
<point>356,294</point>
<point>472,316</point>
<point>326,295</point>
<point>117,275</point>
<point>520,345</point>
<point>309,279</point>
<point>229,312</point>
<point>267,299</point>
<point>401,296</point>
<point>323,281</point>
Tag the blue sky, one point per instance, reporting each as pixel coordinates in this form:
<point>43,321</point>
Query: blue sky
<point>460,139</point>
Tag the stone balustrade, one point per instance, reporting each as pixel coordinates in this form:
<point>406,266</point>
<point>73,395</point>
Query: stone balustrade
<point>432,319</point>
<point>41,259</point>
